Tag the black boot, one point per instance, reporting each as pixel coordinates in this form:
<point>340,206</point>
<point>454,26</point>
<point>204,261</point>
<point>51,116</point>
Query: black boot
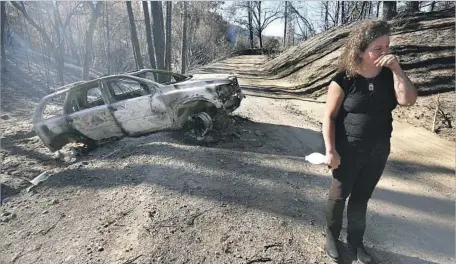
<point>331,246</point>
<point>360,253</point>
<point>356,216</point>
<point>334,215</point>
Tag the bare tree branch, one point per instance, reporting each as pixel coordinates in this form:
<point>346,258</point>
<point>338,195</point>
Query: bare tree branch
<point>308,24</point>
<point>32,22</point>
<point>326,5</point>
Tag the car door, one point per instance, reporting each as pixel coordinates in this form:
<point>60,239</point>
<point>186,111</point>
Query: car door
<point>137,107</point>
<point>91,115</point>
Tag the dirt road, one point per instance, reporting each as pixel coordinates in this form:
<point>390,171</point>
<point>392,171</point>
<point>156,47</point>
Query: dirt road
<point>249,198</point>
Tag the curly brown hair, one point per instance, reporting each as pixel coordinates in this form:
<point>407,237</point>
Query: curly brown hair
<point>358,40</point>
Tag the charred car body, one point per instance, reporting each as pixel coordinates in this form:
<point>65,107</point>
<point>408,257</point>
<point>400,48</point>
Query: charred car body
<point>128,105</point>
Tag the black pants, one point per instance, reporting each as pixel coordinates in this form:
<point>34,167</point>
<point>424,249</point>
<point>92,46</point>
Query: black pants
<point>359,172</point>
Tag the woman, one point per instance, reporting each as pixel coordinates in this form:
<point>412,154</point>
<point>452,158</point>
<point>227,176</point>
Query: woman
<point>357,128</point>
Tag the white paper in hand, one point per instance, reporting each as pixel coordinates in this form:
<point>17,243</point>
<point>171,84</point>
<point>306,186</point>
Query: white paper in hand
<point>316,158</point>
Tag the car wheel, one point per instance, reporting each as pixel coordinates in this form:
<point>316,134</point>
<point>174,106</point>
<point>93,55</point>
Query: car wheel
<point>199,124</point>
<point>197,129</point>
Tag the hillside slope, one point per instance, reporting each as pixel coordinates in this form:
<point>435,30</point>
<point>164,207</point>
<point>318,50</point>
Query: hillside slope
<point>424,45</point>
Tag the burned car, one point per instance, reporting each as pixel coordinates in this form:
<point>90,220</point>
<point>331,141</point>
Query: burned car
<point>116,106</point>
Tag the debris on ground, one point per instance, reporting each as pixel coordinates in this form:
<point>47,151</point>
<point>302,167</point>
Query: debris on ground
<point>39,179</point>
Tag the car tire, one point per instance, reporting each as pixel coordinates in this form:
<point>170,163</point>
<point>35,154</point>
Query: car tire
<point>197,129</point>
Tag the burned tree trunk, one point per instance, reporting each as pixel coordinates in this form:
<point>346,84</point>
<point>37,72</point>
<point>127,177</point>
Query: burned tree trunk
<point>260,29</point>
<point>326,15</point>
<point>285,26</point>
<point>150,44</point>
<point>389,9</point>
<point>343,15</point>
<point>134,37</point>
<point>2,36</point>
<point>412,7</point>
<point>159,35</point>
<point>432,6</point>
<point>108,46</point>
<point>59,42</point>
<point>89,39</point>
<point>363,11</point>
<point>184,39</point>
<point>378,9</point>
<point>169,6</point>
<point>370,10</point>
<point>250,24</point>
<point>336,16</point>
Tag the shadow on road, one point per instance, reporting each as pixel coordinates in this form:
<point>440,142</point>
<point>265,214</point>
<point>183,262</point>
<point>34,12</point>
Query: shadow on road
<point>270,175</point>
<point>379,256</point>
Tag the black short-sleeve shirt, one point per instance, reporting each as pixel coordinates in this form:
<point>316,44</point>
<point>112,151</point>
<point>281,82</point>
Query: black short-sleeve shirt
<point>366,114</point>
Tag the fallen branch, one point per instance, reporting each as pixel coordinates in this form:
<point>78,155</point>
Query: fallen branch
<point>272,245</point>
<point>192,219</point>
<point>18,255</point>
<point>130,261</point>
<point>259,260</point>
